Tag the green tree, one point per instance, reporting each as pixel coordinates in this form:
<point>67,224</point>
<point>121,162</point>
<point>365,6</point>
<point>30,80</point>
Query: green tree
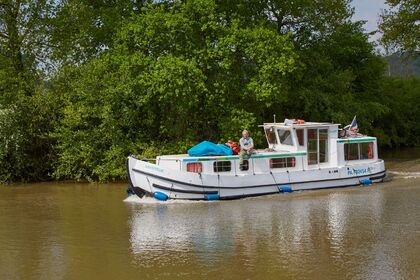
<point>82,29</point>
<point>26,116</point>
<point>177,73</point>
<point>400,125</point>
<point>400,26</point>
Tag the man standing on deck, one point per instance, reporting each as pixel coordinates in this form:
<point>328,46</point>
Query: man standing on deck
<point>247,148</point>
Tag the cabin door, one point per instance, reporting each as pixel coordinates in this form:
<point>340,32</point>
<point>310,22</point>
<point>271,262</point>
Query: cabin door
<point>317,146</point>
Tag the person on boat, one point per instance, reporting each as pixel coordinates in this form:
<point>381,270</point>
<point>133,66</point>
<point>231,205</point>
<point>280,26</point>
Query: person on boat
<point>247,148</point>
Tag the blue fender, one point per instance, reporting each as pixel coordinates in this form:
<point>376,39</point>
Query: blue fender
<point>366,182</point>
<point>160,196</point>
<point>285,189</point>
<point>212,196</point>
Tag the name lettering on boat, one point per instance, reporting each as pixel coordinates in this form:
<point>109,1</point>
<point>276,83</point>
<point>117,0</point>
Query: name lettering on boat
<point>153,167</point>
<point>333,171</point>
<point>360,171</point>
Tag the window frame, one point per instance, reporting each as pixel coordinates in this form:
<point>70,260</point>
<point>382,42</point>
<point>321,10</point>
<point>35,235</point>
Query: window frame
<point>290,136</point>
<point>359,145</point>
<point>317,150</point>
<point>224,165</point>
<point>194,169</point>
<point>286,162</point>
<point>270,134</point>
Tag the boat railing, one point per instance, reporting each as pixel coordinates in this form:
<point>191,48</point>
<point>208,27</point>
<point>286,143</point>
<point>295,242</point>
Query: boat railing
<point>160,159</point>
<point>148,159</point>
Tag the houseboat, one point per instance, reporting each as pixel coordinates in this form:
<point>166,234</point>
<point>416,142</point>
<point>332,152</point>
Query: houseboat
<point>300,156</point>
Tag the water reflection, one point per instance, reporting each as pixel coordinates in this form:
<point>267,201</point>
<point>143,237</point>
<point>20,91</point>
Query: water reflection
<point>329,231</point>
<point>179,228</point>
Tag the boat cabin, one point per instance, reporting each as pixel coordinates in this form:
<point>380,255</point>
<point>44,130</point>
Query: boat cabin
<point>291,146</point>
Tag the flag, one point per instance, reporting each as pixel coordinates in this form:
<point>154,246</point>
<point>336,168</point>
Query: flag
<point>353,125</point>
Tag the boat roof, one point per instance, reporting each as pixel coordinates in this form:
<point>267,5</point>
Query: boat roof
<point>303,125</point>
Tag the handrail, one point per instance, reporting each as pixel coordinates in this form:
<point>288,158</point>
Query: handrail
<point>148,159</point>
<point>154,159</point>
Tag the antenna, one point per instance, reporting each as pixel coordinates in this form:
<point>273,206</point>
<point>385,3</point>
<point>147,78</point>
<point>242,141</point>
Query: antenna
<point>274,118</point>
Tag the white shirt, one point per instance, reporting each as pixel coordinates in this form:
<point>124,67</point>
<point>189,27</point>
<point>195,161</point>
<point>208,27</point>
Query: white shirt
<point>246,143</point>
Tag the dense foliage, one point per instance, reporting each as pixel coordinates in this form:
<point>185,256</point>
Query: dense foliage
<point>401,27</point>
<point>83,84</point>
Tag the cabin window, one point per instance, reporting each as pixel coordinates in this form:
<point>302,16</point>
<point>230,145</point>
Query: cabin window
<point>312,146</point>
<point>358,151</point>
<point>195,167</point>
<point>222,166</point>
<point>351,151</point>
<point>317,146</point>
<point>323,145</point>
<point>271,135</point>
<point>366,150</point>
<point>300,136</point>
<point>245,165</point>
<point>285,137</point>
<point>282,162</point>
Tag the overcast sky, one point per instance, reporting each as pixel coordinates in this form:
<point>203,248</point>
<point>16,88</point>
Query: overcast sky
<point>369,10</point>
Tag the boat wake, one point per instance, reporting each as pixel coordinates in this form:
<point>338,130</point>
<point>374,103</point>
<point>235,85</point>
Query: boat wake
<point>150,200</point>
<point>405,175</point>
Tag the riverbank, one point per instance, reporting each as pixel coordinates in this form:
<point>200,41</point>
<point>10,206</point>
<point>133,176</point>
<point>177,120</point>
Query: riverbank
<point>402,160</point>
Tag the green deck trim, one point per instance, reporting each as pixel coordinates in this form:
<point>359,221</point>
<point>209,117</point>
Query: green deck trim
<point>281,155</point>
<point>237,157</point>
<point>357,140</point>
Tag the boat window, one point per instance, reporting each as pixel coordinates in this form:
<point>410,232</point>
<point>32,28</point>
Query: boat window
<point>358,151</point>
<point>195,167</point>
<point>245,165</point>
<point>317,146</point>
<point>282,162</point>
<point>312,146</point>
<point>351,151</point>
<point>323,145</point>
<point>366,150</point>
<point>300,136</point>
<point>271,135</point>
<point>285,137</point>
<point>221,166</point>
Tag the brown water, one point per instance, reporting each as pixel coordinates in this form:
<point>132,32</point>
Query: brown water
<point>84,231</point>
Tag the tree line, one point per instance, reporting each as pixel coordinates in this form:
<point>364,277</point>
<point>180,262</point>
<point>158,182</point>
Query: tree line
<point>84,84</point>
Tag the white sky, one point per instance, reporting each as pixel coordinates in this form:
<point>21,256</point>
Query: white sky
<point>369,10</point>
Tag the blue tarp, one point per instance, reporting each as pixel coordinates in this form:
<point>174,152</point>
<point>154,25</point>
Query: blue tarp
<point>207,148</point>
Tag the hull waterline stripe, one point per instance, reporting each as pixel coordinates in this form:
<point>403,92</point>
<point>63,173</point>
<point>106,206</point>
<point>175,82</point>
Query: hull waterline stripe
<point>267,193</point>
<point>249,187</point>
<point>232,197</point>
<point>183,191</point>
<point>312,189</point>
<point>378,177</point>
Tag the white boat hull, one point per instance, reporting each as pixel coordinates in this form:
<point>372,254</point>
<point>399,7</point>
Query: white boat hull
<point>150,178</point>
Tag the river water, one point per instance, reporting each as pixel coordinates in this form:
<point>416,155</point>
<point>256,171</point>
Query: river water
<point>92,231</point>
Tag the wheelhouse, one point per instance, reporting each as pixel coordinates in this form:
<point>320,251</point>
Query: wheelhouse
<point>321,142</point>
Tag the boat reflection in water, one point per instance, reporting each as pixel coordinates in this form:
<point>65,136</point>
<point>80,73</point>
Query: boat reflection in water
<point>334,229</point>
<point>172,228</point>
